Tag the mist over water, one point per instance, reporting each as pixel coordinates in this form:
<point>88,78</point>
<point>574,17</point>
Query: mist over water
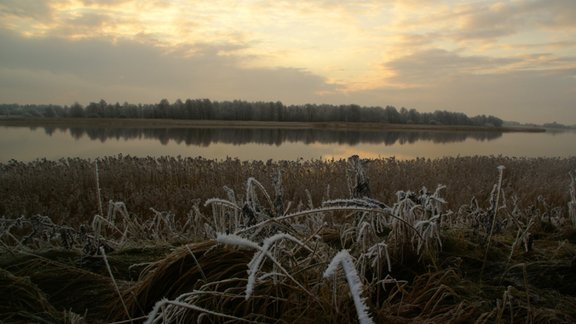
<point>29,143</point>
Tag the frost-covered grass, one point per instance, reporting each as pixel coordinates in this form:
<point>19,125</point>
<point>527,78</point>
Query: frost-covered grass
<point>296,241</point>
<point>66,190</point>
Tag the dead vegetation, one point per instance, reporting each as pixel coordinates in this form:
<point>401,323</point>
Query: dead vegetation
<point>328,241</point>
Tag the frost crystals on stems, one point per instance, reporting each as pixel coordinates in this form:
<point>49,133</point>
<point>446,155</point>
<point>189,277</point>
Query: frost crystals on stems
<point>345,259</point>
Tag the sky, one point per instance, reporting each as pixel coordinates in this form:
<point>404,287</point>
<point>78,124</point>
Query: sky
<point>513,59</point>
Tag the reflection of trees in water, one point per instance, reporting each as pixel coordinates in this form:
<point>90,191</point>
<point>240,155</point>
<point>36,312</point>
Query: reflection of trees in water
<point>49,130</point>
<point>238,136</point>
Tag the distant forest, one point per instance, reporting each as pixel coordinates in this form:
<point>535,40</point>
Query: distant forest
<point>204,109</point>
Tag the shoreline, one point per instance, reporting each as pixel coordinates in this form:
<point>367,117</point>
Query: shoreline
<point>182,123</point>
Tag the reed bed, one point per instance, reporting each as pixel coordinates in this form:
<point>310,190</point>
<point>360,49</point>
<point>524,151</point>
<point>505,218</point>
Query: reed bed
<point>66,190</point>
<point>178,240</point>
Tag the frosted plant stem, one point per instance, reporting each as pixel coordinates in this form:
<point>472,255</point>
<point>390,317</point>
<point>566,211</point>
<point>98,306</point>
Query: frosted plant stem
<point>324,210</point>
<point>250,191</point>
<point>16,240</point>
<point>262,251</point>
<point>222,202</point>
<point>114,282</point>
<point>98,195</point>
<point>525,274</point>
<point>572,202</point>
<point>7,248</point>
<point>500,171</point>
<point>132,320</point>
<point>162,303</point>
<point>197,263</point>
<point>344,259</point>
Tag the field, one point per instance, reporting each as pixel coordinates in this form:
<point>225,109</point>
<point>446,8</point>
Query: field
<point>125,239</point>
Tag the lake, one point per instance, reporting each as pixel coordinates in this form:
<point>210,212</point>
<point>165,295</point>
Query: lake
<point>29,143</point>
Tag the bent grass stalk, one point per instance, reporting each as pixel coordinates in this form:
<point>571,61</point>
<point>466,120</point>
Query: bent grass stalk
<point>152,317</point>
<point>264,250</point>
<point>222,202</point>
<point>251,194</point>
<point>114,282</point>
<point>197,263</point>
<point>430,231</point>
<point>327,209</point>
<point>344,259</point>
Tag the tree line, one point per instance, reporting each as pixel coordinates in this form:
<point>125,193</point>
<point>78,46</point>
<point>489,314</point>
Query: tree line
<point>205,109</point>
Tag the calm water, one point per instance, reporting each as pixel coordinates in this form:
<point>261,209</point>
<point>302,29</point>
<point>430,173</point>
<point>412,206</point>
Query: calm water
<point>25,144</point>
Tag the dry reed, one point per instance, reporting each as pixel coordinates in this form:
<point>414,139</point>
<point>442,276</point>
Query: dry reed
<point>414,259</point>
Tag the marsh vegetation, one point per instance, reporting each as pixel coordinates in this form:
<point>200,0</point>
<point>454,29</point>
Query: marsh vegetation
<point>476,239</point>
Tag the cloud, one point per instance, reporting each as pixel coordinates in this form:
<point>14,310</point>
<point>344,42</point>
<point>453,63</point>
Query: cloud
<point>489,20</point>
<point>428,66</point>
<point>89,19</point>
<point>516,95</point>
<point>423,54</point>
<point>525,96</point>
<point>105,3</point>
<point>554,13</point>
<point>34,9</point>
<point>89,69</point>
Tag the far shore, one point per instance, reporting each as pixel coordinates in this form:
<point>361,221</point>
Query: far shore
<point>183,123</point>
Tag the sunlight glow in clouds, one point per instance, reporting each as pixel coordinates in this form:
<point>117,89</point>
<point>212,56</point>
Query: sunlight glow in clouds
<point>515,59</point>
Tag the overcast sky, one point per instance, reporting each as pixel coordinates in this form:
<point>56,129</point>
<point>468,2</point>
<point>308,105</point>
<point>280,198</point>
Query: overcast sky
<point>514,59</point>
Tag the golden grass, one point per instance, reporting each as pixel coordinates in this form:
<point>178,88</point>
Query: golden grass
<point>65,190</point>
<point>171,260</point>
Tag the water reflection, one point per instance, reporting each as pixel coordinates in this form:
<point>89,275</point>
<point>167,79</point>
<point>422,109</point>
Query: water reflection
<point>239,136</point>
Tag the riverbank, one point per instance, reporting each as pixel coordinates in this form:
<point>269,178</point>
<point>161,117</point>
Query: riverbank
<point>181,123</point>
